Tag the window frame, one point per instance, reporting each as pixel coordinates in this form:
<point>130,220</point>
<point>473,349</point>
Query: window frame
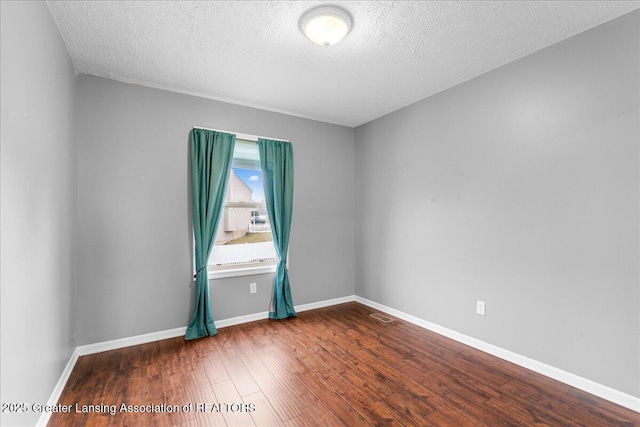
<point>265,267</point>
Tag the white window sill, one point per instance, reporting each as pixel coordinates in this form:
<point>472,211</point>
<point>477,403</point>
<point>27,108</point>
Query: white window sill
<point>224,272</point>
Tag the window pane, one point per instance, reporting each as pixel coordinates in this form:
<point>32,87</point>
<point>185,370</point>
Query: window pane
<point>244,233</point>
<point>246,179</point>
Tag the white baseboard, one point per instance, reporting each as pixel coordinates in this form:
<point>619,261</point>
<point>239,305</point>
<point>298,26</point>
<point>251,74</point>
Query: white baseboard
<point>177,332</point>
<point>607,393</point>
<point>99,347</point>
<point>325,303</point>
<point>299,308</point>
<point>84,350</point>
<point>57,390</point>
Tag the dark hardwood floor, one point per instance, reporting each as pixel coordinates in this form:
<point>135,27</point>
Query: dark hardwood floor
<point>328,367</point>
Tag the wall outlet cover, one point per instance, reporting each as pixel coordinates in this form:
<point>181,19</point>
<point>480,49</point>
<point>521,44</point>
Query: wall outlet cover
<point>480,307</point>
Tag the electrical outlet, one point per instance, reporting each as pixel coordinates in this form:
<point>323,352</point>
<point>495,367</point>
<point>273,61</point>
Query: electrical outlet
<point>253,288</point>
<point>480,307</point>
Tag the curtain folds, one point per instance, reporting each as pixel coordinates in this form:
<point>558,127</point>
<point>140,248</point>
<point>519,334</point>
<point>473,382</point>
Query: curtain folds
<point>276,162</point>
<point>211,154</point>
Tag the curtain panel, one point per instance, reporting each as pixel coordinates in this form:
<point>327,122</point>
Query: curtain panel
<point>211,153</point>
<point>276,162</point>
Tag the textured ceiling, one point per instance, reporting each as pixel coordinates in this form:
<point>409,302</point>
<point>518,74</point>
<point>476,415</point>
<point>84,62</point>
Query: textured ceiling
<point>252,53</point>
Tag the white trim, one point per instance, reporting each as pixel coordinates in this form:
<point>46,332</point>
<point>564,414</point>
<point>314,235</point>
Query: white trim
<point>84,350</point>
<point>99,347</point>
<point>236,272</point>
<point>57,390</point>
<point>265,314</point>
<point>607,393</point>
<point>244,136</point>
<point>241,319</point>
<point>325,303</point>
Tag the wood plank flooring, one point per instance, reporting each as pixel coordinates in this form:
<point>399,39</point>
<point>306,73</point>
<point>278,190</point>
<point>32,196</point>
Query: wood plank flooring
<point>329,367</point>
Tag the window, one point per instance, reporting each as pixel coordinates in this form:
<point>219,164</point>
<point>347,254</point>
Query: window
<point>243,243</point>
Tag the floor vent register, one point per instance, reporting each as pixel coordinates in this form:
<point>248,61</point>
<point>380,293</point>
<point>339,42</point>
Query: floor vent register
<point>381,317</point>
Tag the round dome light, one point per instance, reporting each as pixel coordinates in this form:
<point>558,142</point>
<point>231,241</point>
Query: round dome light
<point>326,25</point>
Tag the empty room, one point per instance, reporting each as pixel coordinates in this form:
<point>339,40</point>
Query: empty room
<point>293,213</point>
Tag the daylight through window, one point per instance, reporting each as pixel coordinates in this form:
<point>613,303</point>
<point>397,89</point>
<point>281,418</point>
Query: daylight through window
<point>243,243</point>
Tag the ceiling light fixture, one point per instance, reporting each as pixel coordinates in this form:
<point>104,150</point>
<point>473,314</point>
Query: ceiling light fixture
<point>326,25</point>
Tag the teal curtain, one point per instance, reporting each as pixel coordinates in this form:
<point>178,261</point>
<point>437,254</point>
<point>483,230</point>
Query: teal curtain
<point>211,155</point>
<point>276,162</point>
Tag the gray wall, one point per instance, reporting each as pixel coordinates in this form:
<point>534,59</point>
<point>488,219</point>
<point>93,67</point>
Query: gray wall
<point>38,153</point>
<point>134,266</point>
<point>519,188</point>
